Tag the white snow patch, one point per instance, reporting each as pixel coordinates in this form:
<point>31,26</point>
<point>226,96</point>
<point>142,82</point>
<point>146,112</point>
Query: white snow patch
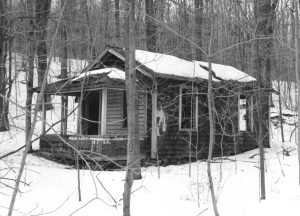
<point>112,73</point>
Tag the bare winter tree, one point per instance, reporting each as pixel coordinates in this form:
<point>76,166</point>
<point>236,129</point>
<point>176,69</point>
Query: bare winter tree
<point>264,13</point>
<point>133,170</point>
<point>297,76</point>
<point>117,19</point>
<point>199,7</point>
<point>64,64</point>
<point>151,27</point>
<point>4,125</point>
<point>30,67</point>
<point>212,124</point>
<point>34,121</point>
<point>42,12</point>
<point>91,44</point>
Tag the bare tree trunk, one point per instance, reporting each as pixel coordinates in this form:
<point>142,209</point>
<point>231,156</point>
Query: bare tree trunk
<point>64,66</point>
<point>4,125</point>
<point>92,50</point>
<point>133,152</point>
<point>211,112</point>
<point>264,12</point>
<point>127,192</point>
<point>117,19</point>
<point>261,138</point>
<point>150,25</point>
<point>297,75</point>
<point>10,80</point>
<point>30,72</point>
<point>133,170</point>
<point>199,6</point>
<point>106,11</point>
<point>78,175</point>
<point>42,15</point>
<point>280,111</point>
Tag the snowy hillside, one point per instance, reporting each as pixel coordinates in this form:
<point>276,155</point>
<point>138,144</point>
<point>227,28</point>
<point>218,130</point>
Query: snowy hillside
<point>52,189</point>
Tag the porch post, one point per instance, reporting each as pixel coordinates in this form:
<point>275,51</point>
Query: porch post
<point>103,114</point>
<point>43,115</point>
<point>64,114</point>
<point>100,113</point>
<point>153,131</point>
<point>79,131</point>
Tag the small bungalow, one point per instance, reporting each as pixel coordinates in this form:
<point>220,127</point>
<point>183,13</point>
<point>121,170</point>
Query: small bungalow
<point>172,109</point>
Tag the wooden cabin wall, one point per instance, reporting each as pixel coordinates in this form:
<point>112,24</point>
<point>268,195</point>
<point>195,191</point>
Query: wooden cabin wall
<point>114,115</point>
<point>114,118</point>
<point>176,144</point>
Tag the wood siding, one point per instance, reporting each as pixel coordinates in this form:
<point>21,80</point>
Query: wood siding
<point>228,140</point>
<point>173,143</point>
<point>114,114</point>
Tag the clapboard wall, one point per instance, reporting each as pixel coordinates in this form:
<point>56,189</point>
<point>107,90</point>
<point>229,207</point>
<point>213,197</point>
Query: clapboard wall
<point>114,114</point>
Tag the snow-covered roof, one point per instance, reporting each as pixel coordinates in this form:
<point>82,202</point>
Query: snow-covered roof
<point>112,72</point>
<point>170,65</point>
<point>227,72</point>
<point>164,64</point>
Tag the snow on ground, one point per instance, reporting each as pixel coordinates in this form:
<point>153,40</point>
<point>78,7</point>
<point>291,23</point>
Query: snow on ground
<point>49,188</point>
<point>53,188</point>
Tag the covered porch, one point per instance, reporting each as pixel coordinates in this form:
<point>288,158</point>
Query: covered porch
<point>101,133</point>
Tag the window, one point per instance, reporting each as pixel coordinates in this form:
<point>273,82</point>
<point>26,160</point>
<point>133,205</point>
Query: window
<point>242,114</point>
<point>245,112</point>
<point>188,108</point>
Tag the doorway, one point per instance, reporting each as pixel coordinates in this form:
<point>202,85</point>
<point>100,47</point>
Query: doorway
<point>91,109</point>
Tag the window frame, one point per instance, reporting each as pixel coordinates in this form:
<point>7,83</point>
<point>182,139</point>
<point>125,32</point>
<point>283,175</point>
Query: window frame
<point>195,116</point>
<point>249,113</point>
